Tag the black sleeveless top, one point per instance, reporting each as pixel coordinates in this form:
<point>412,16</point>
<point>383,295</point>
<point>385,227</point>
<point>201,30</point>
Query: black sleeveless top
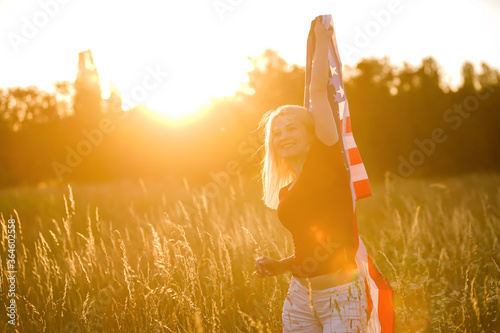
<point>318,211</point>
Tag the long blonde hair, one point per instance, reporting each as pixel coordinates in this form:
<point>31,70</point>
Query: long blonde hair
<point>276,171</point>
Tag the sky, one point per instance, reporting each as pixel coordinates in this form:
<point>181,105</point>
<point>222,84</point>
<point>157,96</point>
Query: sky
<point>175,55</point>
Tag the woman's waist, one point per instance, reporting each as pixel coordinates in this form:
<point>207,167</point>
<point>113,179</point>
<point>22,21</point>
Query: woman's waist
<point>326,256</point>
<point>343,275</point>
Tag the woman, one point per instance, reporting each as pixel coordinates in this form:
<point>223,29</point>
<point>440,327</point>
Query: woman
<point>305,179</point>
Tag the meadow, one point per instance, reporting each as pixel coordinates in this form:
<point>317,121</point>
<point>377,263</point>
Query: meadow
<point>143,256</point>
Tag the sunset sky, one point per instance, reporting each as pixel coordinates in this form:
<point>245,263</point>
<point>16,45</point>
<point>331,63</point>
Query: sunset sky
<point>203,45</point>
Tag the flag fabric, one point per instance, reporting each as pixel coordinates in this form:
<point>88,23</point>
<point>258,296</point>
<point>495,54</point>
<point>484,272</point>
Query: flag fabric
<point>379,292</point>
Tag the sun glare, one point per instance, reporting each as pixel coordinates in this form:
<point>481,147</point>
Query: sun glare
<point>182,95</point>
<point>169,105</point>
<point>175,119</point>
<point>176,111</point>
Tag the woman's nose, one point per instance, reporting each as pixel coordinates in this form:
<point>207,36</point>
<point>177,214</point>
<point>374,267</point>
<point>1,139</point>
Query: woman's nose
<point>282,139</point>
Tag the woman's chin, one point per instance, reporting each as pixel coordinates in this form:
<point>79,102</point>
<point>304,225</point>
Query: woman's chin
<point>288,155</point>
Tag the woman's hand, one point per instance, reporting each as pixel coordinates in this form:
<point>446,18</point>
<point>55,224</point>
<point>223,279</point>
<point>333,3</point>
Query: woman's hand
<point>265,267</point>
<point>321,33</point>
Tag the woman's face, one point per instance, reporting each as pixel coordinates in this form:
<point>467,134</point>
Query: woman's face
<point>291,138</point>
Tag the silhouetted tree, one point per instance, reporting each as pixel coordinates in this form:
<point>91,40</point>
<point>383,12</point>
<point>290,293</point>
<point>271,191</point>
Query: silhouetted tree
<point>488,76</point>
<point>20,107</point>
<point>65,93</point>
<point>272,82</point>
<point>87,99</point>
<point>469,77</point>
<point>114,101</point>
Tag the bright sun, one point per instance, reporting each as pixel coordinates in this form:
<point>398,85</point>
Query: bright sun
<point>169,105</point>
<point>177,110</point>
<point>181,98</point>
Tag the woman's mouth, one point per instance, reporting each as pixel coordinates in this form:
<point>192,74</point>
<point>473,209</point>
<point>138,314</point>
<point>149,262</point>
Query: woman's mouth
<point>287,145</point>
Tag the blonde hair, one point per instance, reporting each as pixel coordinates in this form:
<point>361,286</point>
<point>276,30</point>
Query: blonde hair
<point>275,170</point>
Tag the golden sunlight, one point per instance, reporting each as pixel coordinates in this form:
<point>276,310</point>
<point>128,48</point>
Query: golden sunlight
<point>176,98</point>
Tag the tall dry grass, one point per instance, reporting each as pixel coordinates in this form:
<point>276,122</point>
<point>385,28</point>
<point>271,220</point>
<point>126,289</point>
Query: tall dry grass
<point>154,257</point>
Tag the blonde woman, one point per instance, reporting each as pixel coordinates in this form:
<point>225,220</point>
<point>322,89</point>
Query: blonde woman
<point>305,179</point>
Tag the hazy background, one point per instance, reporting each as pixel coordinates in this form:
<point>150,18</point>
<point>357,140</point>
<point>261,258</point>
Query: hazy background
<point>180,86</point>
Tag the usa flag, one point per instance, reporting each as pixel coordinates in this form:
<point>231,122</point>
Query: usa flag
<point>379,292</point>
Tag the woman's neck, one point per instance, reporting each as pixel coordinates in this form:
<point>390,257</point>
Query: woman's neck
<point>296,164</point>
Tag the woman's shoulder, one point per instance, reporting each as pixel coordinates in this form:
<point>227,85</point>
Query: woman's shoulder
<point>324,158</point>
<point>282,190</point>
<point>320,143</point>
<point>322,151</point>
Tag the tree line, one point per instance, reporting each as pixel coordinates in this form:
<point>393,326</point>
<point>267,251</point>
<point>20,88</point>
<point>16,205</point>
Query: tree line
<point>406,120</point>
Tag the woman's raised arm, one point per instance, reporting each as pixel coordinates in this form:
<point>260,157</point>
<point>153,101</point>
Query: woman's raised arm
<point>326,129</point>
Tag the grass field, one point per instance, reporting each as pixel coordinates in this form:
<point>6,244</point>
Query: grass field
<point>163,257</point>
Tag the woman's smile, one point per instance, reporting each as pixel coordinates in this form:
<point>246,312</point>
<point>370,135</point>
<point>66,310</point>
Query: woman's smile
<point>291,138</point>
<point>287,145</point>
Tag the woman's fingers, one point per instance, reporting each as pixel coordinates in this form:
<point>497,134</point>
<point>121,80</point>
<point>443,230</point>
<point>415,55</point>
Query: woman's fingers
<point>321,31</point>
<point>260,262</point>
<point>262,272</point>
<point>260,267</point>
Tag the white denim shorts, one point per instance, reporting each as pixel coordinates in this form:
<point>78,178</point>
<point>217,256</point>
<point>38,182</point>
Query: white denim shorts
<point>338,309</point>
